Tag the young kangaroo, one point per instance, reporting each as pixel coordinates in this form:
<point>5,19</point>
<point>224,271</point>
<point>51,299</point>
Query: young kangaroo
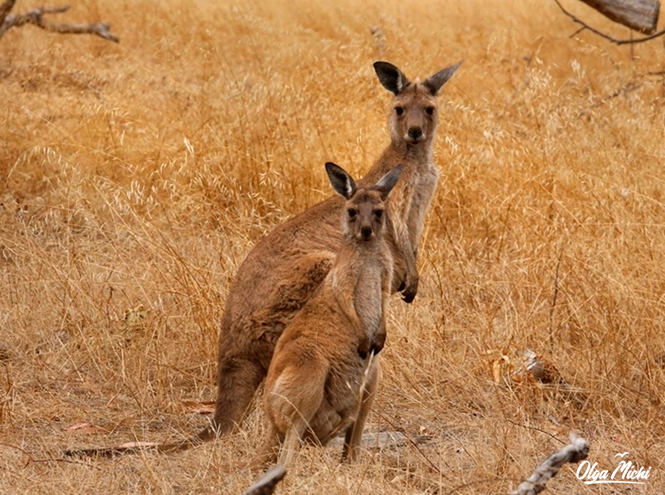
<point>313,387</point>
<point>287,266</point>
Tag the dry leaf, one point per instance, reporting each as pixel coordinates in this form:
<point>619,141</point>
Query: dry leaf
<point>87,428</point>
<point>198,407</point>
<point>79,426</point>
<point>131,445</point>
<point>497,366</point>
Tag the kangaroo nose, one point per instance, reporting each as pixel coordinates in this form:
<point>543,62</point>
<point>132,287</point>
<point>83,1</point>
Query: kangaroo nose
<point>366,232</point>
<point>415,132</point>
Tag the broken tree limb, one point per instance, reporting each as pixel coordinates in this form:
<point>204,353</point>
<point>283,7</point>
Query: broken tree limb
<point>640,15</point>
<point>267,483</point>
<point>36,18</point>
<point>5,9</point>
<point>607,37</point>
<point>575,452</point>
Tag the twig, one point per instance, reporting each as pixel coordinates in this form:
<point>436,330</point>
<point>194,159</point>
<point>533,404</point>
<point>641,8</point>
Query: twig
<point>575,452</point>
<point>5,9</point>
<point>577,32</point>
<point>36,18</point>
<point>555,297</point>
<point>623,90</point>
<point>68,461</point>
<point>413,442</point>
<point>266,484</point>
<point>607,37</point>
<point>553,437</point>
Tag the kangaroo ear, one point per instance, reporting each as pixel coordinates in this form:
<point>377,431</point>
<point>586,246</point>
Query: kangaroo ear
<point>342,183</point>
<point>391,77</point>
<point>388,181</point>
<point>435,82</point>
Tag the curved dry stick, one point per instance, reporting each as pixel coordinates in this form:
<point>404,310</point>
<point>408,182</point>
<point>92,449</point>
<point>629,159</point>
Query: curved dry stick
<point>267,483</point>
<point>575,452</point>
<point>608,37</point>
<point>36,18</point>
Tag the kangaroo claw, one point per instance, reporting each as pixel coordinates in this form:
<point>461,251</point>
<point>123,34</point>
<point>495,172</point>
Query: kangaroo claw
<point>408,298</point>
<point>378,343</point>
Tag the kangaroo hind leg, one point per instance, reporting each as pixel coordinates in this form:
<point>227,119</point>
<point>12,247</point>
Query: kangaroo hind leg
<point>355,432</point>
<point>237,382</point>
<point>294,401</point>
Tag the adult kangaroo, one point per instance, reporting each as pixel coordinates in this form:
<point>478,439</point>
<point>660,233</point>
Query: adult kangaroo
<point>286,267</point>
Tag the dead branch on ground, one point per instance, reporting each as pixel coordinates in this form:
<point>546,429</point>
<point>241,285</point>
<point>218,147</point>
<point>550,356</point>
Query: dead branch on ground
<point>575,452</point>
<point>36,18</point>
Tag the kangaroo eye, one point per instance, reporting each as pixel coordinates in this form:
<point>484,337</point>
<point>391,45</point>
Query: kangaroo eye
<point>378,213</point>
<point>429,110</point>
<point>399,110</point>
<point>352,212</point>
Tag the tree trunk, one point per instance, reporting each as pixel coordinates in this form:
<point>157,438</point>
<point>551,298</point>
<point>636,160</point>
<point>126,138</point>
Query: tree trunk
<point>641,15</point>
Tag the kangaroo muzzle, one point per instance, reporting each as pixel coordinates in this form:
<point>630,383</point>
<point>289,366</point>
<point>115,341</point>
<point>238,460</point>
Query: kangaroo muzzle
<point>415,134</point>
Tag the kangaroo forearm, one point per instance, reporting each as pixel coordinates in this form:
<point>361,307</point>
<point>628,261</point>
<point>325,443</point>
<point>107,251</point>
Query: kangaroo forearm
<point>380,338</point>
<point>408,254</point>
<point>347,305</point>
<point>405,249</point>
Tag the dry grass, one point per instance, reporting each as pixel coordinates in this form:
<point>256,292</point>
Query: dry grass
<point>134,178</point>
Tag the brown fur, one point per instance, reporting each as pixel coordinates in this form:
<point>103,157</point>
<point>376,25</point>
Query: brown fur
<point>284,269</point>
<point>315,381</point>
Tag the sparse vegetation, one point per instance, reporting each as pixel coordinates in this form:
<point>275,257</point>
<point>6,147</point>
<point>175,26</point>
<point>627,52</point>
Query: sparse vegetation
<point>134,178</point>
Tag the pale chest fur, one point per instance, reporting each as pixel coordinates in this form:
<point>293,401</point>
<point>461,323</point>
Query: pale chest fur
<point>368,291</point>
<point>423,192</point>
<point>362,279</point>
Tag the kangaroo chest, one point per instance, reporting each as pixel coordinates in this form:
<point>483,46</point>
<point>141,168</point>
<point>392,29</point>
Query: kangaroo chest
<point>423,192</point>
<point>368,296</point>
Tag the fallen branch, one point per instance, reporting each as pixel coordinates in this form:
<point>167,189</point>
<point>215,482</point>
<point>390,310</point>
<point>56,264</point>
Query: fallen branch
<point>575,452</point>
<point>36,18</point>
<point>267,483</point>
<point>641,15</point>
<point>606,36</point>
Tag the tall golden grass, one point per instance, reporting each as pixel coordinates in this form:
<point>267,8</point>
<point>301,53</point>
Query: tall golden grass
<point>134,178</point>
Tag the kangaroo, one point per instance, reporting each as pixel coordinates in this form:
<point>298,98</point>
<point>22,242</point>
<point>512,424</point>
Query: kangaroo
<point>315,379</point>
<point>287,266</point>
